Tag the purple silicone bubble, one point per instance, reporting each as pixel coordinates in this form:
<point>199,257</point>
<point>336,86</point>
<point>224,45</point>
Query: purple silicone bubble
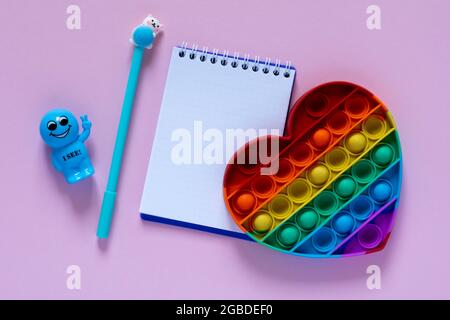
<point>370,236</point>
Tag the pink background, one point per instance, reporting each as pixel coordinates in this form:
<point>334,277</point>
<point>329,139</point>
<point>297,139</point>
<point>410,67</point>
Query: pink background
<point>46,225</point>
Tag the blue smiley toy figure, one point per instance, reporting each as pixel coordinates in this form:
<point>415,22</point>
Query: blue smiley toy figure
<point>59,129</point>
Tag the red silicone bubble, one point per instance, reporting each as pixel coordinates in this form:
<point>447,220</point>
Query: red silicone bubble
<point>285,170</point>
<point>316,104</point>
<point>263,186</point>
<point>339,122</point>
<point>301,154</point>
<point>357,107</point>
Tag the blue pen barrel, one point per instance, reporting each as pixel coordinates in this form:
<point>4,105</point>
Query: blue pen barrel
<point>106,213</point>
<point>109,197</point>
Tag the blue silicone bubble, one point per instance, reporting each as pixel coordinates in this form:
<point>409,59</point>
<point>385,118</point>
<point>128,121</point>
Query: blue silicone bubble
<point>324,239</point>
<point>343,223</point>
<point>361,207</point>
<point>60,131</point>
<point>381,191</point>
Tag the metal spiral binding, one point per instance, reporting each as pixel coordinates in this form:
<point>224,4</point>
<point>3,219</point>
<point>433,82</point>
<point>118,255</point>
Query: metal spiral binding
<point>234,61</point>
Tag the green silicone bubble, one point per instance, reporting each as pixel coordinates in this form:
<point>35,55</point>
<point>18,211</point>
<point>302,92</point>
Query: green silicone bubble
<point>383,155</point>
<point>288,235</point>
<point>345,186</point>
<point>326,203</point>
<point>307,219</point>
<point>364,171</point>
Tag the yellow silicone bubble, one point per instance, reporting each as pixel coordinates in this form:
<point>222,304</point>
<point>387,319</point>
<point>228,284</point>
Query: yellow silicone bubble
<point>337,159</point>
<point>280,206</point>
<point>262,222</point>
<point>318,175</point>
<point>374,126</point>
<point>299,191</point>
<point>356,142</point>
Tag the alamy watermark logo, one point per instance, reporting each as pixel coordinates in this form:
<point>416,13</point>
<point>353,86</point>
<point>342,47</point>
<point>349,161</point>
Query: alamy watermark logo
<point>73,21</point>
<point>374,280</point>
<point>373,21</point>
<point>73,281</point>
<point>214,146</point>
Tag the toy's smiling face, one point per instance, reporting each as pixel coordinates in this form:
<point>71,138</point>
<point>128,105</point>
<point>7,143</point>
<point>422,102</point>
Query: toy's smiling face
<point>58,128</point>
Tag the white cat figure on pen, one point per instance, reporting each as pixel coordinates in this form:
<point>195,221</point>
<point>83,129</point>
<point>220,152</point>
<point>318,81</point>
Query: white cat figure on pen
<point>154,24</point>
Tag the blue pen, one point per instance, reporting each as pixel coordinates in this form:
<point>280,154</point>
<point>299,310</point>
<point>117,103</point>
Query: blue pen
<point>142,38</point>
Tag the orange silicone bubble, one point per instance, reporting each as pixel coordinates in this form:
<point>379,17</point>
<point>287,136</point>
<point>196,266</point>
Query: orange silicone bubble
<point>321,138</point>
<point>244,202</point>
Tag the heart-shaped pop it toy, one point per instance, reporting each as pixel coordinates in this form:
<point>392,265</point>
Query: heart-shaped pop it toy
<point>338,182</point>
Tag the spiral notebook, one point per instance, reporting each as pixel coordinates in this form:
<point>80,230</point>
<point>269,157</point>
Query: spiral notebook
<point>206,95</point>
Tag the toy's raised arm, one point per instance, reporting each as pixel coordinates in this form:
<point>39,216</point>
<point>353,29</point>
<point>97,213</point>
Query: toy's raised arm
<point>86,124</point>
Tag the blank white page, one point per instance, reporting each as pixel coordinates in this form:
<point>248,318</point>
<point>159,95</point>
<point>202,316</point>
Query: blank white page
<point>220,97</point>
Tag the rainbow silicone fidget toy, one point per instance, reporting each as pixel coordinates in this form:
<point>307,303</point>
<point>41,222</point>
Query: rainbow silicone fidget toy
<point>337,188</point>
